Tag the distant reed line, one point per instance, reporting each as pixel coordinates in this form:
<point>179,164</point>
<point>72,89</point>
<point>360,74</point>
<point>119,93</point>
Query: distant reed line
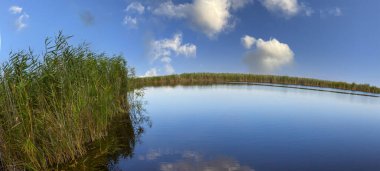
<point>211,78</point>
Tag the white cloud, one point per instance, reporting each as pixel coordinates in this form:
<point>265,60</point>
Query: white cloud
<point>169,69</point>
<point>200,162</point>
<point>337,12</point>
<point>166,59</point>
<point>268,56</point>
<point>20,21</point>
<point>164,49</point>
<point>248,41</point>
<point>209,16</point>
<point>236,4</point>
<point>130,21</point>
<point>192,160</point>
<point>15,9</point>
<point>151,73</point>
<point>308,10</point>
<point>170,10</point>
<point>286,8</point>
<point>135,7</point>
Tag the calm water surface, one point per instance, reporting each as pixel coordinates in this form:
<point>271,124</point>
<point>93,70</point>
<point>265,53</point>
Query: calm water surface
<point>247,127</point>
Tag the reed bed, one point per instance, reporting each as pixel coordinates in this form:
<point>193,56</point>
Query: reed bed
<point>212,78</point>
<point>123,134</point>
<point>54,104</point>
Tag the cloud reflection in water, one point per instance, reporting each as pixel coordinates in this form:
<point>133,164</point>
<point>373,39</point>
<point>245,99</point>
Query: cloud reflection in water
<point>193,161</point>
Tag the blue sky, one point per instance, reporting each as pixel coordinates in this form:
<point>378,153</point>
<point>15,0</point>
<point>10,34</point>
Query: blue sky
<point>325,39</point>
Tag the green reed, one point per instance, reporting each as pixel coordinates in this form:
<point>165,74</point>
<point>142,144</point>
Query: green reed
<point>52,105</point>
<point>211,78</point>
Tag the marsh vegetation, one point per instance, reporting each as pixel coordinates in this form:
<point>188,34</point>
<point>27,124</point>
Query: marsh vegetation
<point>53,106</point>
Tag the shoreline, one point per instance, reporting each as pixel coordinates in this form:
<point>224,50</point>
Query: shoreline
<point>348,92</point>
<point>270,80</point>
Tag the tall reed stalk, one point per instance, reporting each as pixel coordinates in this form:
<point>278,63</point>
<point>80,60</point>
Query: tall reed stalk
<point>52,105</point>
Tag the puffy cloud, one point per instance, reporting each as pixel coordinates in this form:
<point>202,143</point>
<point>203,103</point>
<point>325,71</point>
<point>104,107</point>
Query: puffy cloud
<point>170,10</point>
<point>133,10</point>
<point>135,7</point>
<point>209,16</point>
<point>236,4</point>
<point>268,56</point>
<point>164,49</point>
<point>129,21</point>
<point>248,41</point>
<point>286,8</point>
<point>151,72</point>
<point>20,21</point>
<point>15,9</point>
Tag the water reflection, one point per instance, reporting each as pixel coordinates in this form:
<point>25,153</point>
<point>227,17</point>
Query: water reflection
<point>218,164</point>
<point>341,95</point>
<point>192,161</point>
<point>236,127</point>
<point>124,133</point>
<point>260,127</point>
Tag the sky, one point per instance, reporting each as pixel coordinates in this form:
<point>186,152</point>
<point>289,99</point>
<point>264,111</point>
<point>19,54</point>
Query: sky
<point>324,39</point>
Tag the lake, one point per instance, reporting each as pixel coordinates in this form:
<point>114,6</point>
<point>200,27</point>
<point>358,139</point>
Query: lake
<point>253,127</point>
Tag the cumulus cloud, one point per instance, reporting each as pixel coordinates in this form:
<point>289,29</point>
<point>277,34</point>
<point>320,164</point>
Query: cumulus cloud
<point>134,11</point>
<point>286,8</point>
<point>236,4</point>
<point>164,49</point>
<point>20,21</point>
<point>151,72</point>
<point>15,9</point>
<point>135,7</point>
<point>248,41</point>
<point>170,10</point>
<point>268,56</point>
<point>87,18</point>
<point>209,16</point>
<point>212,16</point>
<point>129,21</point>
